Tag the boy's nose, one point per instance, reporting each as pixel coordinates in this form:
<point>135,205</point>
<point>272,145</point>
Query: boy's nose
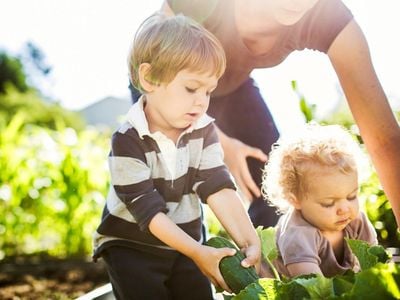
<point>202,100</point>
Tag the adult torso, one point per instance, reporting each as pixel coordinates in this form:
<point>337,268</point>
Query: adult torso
<point>315,30</point>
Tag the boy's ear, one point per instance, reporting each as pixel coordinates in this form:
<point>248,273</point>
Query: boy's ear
<point>143,71</point>
<point>294,201</point>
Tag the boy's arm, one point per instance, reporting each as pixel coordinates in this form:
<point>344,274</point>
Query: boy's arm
<point>206,258</point>
<point>303,268</point>
<point>229,210</point>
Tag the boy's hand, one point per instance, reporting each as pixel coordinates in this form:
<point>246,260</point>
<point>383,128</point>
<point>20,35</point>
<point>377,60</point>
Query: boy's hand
<point>208,258</point>
<point>253,257</point>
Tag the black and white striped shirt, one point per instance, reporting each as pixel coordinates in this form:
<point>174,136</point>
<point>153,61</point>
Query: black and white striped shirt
<point>151,174</point>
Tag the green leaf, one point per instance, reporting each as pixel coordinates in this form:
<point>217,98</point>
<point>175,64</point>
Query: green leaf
<point>291,290</point>
<point>343,283</point>
<point>268,242</point>
<point>256,291</point>
<point>361,251</point>
<point>318,287</point>
<point>379,282</point>
<point>269,250</point>
<point>380,253</point>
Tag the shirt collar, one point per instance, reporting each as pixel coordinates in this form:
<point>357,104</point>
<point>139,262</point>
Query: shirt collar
<point>137,119</point>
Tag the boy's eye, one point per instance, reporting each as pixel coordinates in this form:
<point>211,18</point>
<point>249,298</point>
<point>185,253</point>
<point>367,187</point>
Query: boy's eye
<point>190,90</point>
<point>352,198</point>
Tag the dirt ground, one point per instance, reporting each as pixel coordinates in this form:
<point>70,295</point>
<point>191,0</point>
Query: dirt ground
<point>38,278</point>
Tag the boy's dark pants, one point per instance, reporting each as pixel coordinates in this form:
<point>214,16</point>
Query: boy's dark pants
<point>136,274</point>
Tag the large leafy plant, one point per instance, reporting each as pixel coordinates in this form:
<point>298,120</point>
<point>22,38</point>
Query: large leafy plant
<point>377,279</point>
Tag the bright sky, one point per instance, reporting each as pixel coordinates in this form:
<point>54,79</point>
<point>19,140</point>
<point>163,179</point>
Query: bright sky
<point>87,41</point>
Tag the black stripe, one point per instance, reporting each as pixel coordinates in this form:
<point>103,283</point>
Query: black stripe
<point>119,228</point>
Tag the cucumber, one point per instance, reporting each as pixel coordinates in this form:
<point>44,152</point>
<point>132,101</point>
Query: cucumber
<point>235,276</point>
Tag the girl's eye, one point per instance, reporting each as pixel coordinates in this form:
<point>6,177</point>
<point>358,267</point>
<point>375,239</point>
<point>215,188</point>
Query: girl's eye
<point>190,90</point>
<point>351,198</point>
<point>327,205</point>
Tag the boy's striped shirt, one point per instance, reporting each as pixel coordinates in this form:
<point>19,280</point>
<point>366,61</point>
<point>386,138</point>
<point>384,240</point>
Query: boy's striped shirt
<point>149,174</point>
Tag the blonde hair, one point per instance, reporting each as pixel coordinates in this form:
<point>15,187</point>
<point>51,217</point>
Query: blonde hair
<point>293,157</point>
<point>171,44</point>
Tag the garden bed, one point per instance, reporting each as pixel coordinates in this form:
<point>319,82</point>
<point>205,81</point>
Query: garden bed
<point>48,278</point>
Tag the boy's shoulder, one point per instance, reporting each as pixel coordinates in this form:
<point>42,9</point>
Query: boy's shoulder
<point>125,131</point>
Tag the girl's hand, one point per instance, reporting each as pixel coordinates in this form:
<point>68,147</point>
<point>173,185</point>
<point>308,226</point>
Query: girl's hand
<point>235,155</point>
<point>208,258</point>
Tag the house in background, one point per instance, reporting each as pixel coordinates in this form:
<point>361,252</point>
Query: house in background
<point>107,112</point>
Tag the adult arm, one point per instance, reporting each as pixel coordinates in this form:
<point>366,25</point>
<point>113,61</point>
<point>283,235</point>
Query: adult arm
<point>350,57</point>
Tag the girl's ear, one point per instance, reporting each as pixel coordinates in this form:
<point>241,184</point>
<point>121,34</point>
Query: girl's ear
<point>143,71</point>
<point>294,201</point>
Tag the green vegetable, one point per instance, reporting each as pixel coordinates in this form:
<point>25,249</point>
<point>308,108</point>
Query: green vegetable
<point>235,276</point>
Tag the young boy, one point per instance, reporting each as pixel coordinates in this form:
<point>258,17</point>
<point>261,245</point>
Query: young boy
<point>163,161</point>
<point>313,179</point>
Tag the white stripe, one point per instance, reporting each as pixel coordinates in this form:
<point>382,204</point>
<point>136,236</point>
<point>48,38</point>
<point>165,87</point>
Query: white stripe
<point>118,208</point>
<point>213,156</point>
<point>157,165</point>
<point>187,210</point>
<point>127,170</point>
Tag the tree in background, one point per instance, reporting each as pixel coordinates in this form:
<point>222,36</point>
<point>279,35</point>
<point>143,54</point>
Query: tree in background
<point>18,95</point>
<point>12,73</point>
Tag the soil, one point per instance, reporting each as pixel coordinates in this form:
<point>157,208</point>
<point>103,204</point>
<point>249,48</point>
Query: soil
<point>48,278</point>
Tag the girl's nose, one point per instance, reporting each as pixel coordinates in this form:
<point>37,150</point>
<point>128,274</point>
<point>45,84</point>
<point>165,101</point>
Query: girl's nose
<point>343,209</point>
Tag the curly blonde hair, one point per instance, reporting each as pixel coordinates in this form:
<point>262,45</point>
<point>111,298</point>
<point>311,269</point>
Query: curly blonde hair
<point>293,157</point>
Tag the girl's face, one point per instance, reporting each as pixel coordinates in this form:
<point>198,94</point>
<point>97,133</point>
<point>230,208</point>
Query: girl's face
<point>288,12</point>
<point>331,201</point>
<point>178,104</point>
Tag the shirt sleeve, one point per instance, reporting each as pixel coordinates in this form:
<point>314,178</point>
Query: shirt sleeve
<point>321,25</point>
<point>131,179</point>
<point>212,174</point>
<point>299,244</point>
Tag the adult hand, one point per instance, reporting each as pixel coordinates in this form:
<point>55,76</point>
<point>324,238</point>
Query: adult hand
<point>208,259</point>
<point>235,155</point>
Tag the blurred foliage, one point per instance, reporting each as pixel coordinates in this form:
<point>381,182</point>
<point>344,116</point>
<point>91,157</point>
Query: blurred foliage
<point>307,109</point>
<point>53,170</point>
<point>52,188</point>
<point>372,196</point>
<point>36,110</point>
<point>12,72</point>
<point>17,96</point>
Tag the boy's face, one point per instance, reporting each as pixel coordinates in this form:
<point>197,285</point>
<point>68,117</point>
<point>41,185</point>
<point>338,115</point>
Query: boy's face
<point>176,105</point>
<point>331,201</point>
